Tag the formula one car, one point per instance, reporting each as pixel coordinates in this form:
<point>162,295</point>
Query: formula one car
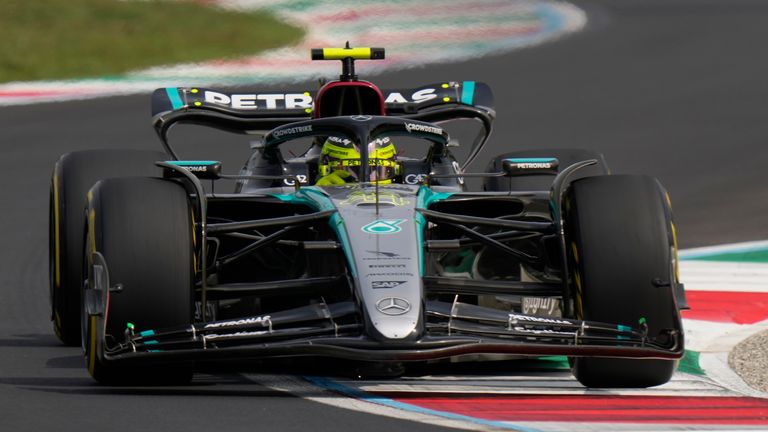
<point>152,272</point>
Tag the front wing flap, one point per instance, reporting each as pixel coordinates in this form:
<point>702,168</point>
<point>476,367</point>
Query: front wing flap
<point>332,330</point>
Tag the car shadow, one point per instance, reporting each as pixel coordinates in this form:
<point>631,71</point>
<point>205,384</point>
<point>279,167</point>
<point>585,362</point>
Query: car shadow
<point>31,340</point>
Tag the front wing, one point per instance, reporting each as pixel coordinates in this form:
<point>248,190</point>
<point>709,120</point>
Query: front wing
<point>332,330</point>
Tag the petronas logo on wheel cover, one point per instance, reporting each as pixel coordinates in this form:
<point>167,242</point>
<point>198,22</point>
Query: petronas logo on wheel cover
<point>383,226</point>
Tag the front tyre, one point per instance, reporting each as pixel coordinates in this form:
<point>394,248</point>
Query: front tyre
<point>73,175</point>
<point>619,243</point>
<point>143,229</point>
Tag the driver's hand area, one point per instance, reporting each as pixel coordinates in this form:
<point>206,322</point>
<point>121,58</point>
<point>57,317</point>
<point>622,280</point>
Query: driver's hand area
<point>333,179</point>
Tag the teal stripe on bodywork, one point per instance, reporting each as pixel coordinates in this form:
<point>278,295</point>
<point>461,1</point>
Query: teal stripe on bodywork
<point>192,162</point>
<point>174,97</point>
<point>318,201</point>
<point>623,328</point>
<point>531,160</point>
<point>337,223</point>
<point>147,333</point>
<point>421,225</point>
<point>424,199</point>
<point>467,92</point>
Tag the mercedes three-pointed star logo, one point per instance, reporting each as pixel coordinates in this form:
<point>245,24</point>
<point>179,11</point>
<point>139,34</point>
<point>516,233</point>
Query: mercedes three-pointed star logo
<point>393,306</point>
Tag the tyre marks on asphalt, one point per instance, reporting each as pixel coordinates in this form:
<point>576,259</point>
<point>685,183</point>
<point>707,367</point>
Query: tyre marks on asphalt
<point>414,33</point>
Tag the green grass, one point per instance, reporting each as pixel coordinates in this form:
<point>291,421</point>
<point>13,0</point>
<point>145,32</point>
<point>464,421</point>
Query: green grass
<point>63,39</point>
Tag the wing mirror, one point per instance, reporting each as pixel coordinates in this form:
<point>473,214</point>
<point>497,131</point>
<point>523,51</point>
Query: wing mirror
<point>526,166</point>
<point>210,170</point>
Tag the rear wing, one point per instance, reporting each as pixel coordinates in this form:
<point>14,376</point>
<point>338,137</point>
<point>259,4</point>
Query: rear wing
<point>251,112</point>
<point>255,104</point>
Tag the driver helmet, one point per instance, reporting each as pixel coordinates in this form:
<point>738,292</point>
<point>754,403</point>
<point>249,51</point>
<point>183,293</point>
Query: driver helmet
<point>340,154</point>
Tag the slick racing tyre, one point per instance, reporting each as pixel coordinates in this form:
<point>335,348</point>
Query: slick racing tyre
<point>143,229</point>
<point>542,182</point>
<point>73,175</point>
<point>621,245</point>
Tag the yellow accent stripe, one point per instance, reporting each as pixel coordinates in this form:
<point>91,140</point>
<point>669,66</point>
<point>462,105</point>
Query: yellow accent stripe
<point>91,249</point>
<point>579,284</point>
<point>92,351</point>
<point>674,238</point>
<point>342,53</point>
<point>356,162</point>
<point>386,152</point>
<point>91,234</point>
<point>340,152</point>
<point>674,242</point>
<point>579,304</point>
<point>56,227</point>
<point>575,252</point>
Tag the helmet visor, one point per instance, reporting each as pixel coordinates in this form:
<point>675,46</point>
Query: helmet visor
<point>381,169</point>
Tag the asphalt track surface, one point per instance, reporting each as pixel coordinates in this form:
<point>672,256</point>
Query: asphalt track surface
<point>674,89</point>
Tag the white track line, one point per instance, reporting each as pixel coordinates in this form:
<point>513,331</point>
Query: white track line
<point>706,251</point>
<point>724,276</point>
<point>300,387</point>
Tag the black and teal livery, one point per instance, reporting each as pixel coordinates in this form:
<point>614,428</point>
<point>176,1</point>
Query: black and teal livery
<point>420,268</point>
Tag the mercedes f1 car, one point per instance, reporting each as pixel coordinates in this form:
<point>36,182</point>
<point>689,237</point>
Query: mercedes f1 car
<point>151,270</point>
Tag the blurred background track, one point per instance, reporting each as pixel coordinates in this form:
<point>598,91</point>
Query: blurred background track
<point>672,88</point>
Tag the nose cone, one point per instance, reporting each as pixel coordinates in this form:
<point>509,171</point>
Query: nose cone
<point>384,248</point>
<point>396,318</point>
